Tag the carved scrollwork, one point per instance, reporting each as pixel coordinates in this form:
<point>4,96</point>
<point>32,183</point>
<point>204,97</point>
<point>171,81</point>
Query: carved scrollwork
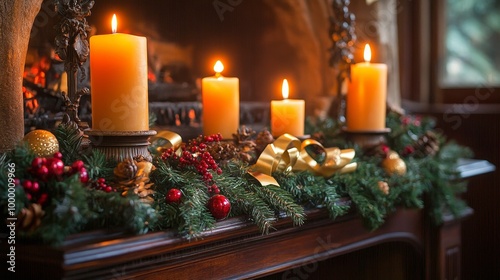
<point>72,46</point>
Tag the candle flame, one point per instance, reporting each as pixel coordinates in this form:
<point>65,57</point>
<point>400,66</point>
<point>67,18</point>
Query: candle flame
<point>368,53</point>
<point>285,89</point>
<point>114,24</point>
<point>218,67</point>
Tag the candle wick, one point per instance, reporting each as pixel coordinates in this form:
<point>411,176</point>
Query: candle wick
<point>218,75</point>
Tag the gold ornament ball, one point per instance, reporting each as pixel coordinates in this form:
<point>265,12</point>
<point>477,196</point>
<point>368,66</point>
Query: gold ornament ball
<point>42,142</point>
<point>393,164</point>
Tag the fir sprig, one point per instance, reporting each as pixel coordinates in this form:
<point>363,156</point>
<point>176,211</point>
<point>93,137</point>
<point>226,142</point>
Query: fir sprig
<point>70,139</point>
<point>280,200</point>
<point>246,202</point>
<point>98,165</point>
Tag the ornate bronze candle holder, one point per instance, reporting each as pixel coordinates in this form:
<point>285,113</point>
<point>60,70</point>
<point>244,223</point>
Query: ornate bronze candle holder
<point>367,139</point>
<point>120,145</point>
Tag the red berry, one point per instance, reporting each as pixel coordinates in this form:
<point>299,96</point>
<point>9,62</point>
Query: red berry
<point>408,150</point>
<point>84,176</point>
<point>173,196</point>
<point>17,182</point>
<point>35,187</point>
<point>77,166</point>
<point>42,172</point>
<point>385,149</point>
<point>101,181</point>
<point>108,189</point>
<point>219,206</point>
<point>58,155</point>
<point>27,185</point>
<point>43,198</point>
<point>29,196</point>
<point>36,163</point>
<point>56,167</point>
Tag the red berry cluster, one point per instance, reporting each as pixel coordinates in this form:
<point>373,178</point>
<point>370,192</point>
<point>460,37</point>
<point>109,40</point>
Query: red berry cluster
<point>100,184</point>
<point>411,120</point>
<point>33,192</point>
<point>195,154</point>
<point>46,168</point>
<point>79,167</point>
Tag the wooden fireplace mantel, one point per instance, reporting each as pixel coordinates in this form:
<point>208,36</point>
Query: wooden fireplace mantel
<point>237,250</point>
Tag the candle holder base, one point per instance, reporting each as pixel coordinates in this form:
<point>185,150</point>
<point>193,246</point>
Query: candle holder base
<point>366,139</point>
<point>120,145</point>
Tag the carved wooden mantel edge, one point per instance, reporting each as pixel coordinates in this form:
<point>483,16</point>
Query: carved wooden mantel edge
<point>98,255</point>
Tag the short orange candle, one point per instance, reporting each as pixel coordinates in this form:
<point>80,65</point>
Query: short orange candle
<point>221,104</point>
<point>119,82</point>
<point>287,115</point>
<point>366,96</point>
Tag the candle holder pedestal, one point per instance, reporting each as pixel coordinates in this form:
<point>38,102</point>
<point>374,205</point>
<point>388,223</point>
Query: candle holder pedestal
<point>120,145</point>
<point>367,139</point>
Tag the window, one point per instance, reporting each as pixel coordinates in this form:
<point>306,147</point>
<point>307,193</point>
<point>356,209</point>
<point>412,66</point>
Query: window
<point>449,51</point>
<point>471,40</point>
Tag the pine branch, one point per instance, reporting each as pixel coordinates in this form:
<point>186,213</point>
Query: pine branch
<point>281,200</point>
<point>245,202</point>
<point>99,166</point>
<point>195,217</point>
<point>70,140</point>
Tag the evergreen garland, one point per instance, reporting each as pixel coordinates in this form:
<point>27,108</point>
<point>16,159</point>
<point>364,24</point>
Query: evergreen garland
<point>75,207</point>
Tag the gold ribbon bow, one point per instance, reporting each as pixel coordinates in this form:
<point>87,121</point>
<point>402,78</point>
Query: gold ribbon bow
<point>287,154</point>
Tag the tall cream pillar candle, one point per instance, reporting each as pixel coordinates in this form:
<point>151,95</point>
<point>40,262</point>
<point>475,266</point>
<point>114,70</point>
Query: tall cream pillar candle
<point>119,82</point>
<point>221,104</point>
<point>366,96</point>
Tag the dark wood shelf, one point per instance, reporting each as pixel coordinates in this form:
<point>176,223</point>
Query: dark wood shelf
<point>235,249</point>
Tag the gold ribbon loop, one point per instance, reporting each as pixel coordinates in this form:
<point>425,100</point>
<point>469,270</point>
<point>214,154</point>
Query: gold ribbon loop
<point>165,140</point>
<point>287,153</point>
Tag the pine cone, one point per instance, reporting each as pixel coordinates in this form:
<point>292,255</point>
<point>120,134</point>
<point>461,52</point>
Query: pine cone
<point>140,184</point>
<point>264,138</point>
<point>427,144</point>
<point>143,190</point>
<point>30,218</point>
<point>223,151</point>
<point>383,187</point>
<point>243,134</point>
<point>125,170</point>
<point>245,143</point>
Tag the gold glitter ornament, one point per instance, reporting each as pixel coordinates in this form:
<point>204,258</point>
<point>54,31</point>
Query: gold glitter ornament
<point>393,164</point>
<point>42,142</point>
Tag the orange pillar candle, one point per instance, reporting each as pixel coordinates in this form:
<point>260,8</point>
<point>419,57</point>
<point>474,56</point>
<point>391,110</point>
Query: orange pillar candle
<point>287,115</point>
<point>119,82</point>
<point>366,96</point>
<point>221,104</point>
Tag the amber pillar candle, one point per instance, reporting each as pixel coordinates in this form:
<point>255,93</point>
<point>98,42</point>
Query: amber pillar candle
<point>366,96</point>
<point>287,115</point>
<point>221,104</point>
<point>119,82</point>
